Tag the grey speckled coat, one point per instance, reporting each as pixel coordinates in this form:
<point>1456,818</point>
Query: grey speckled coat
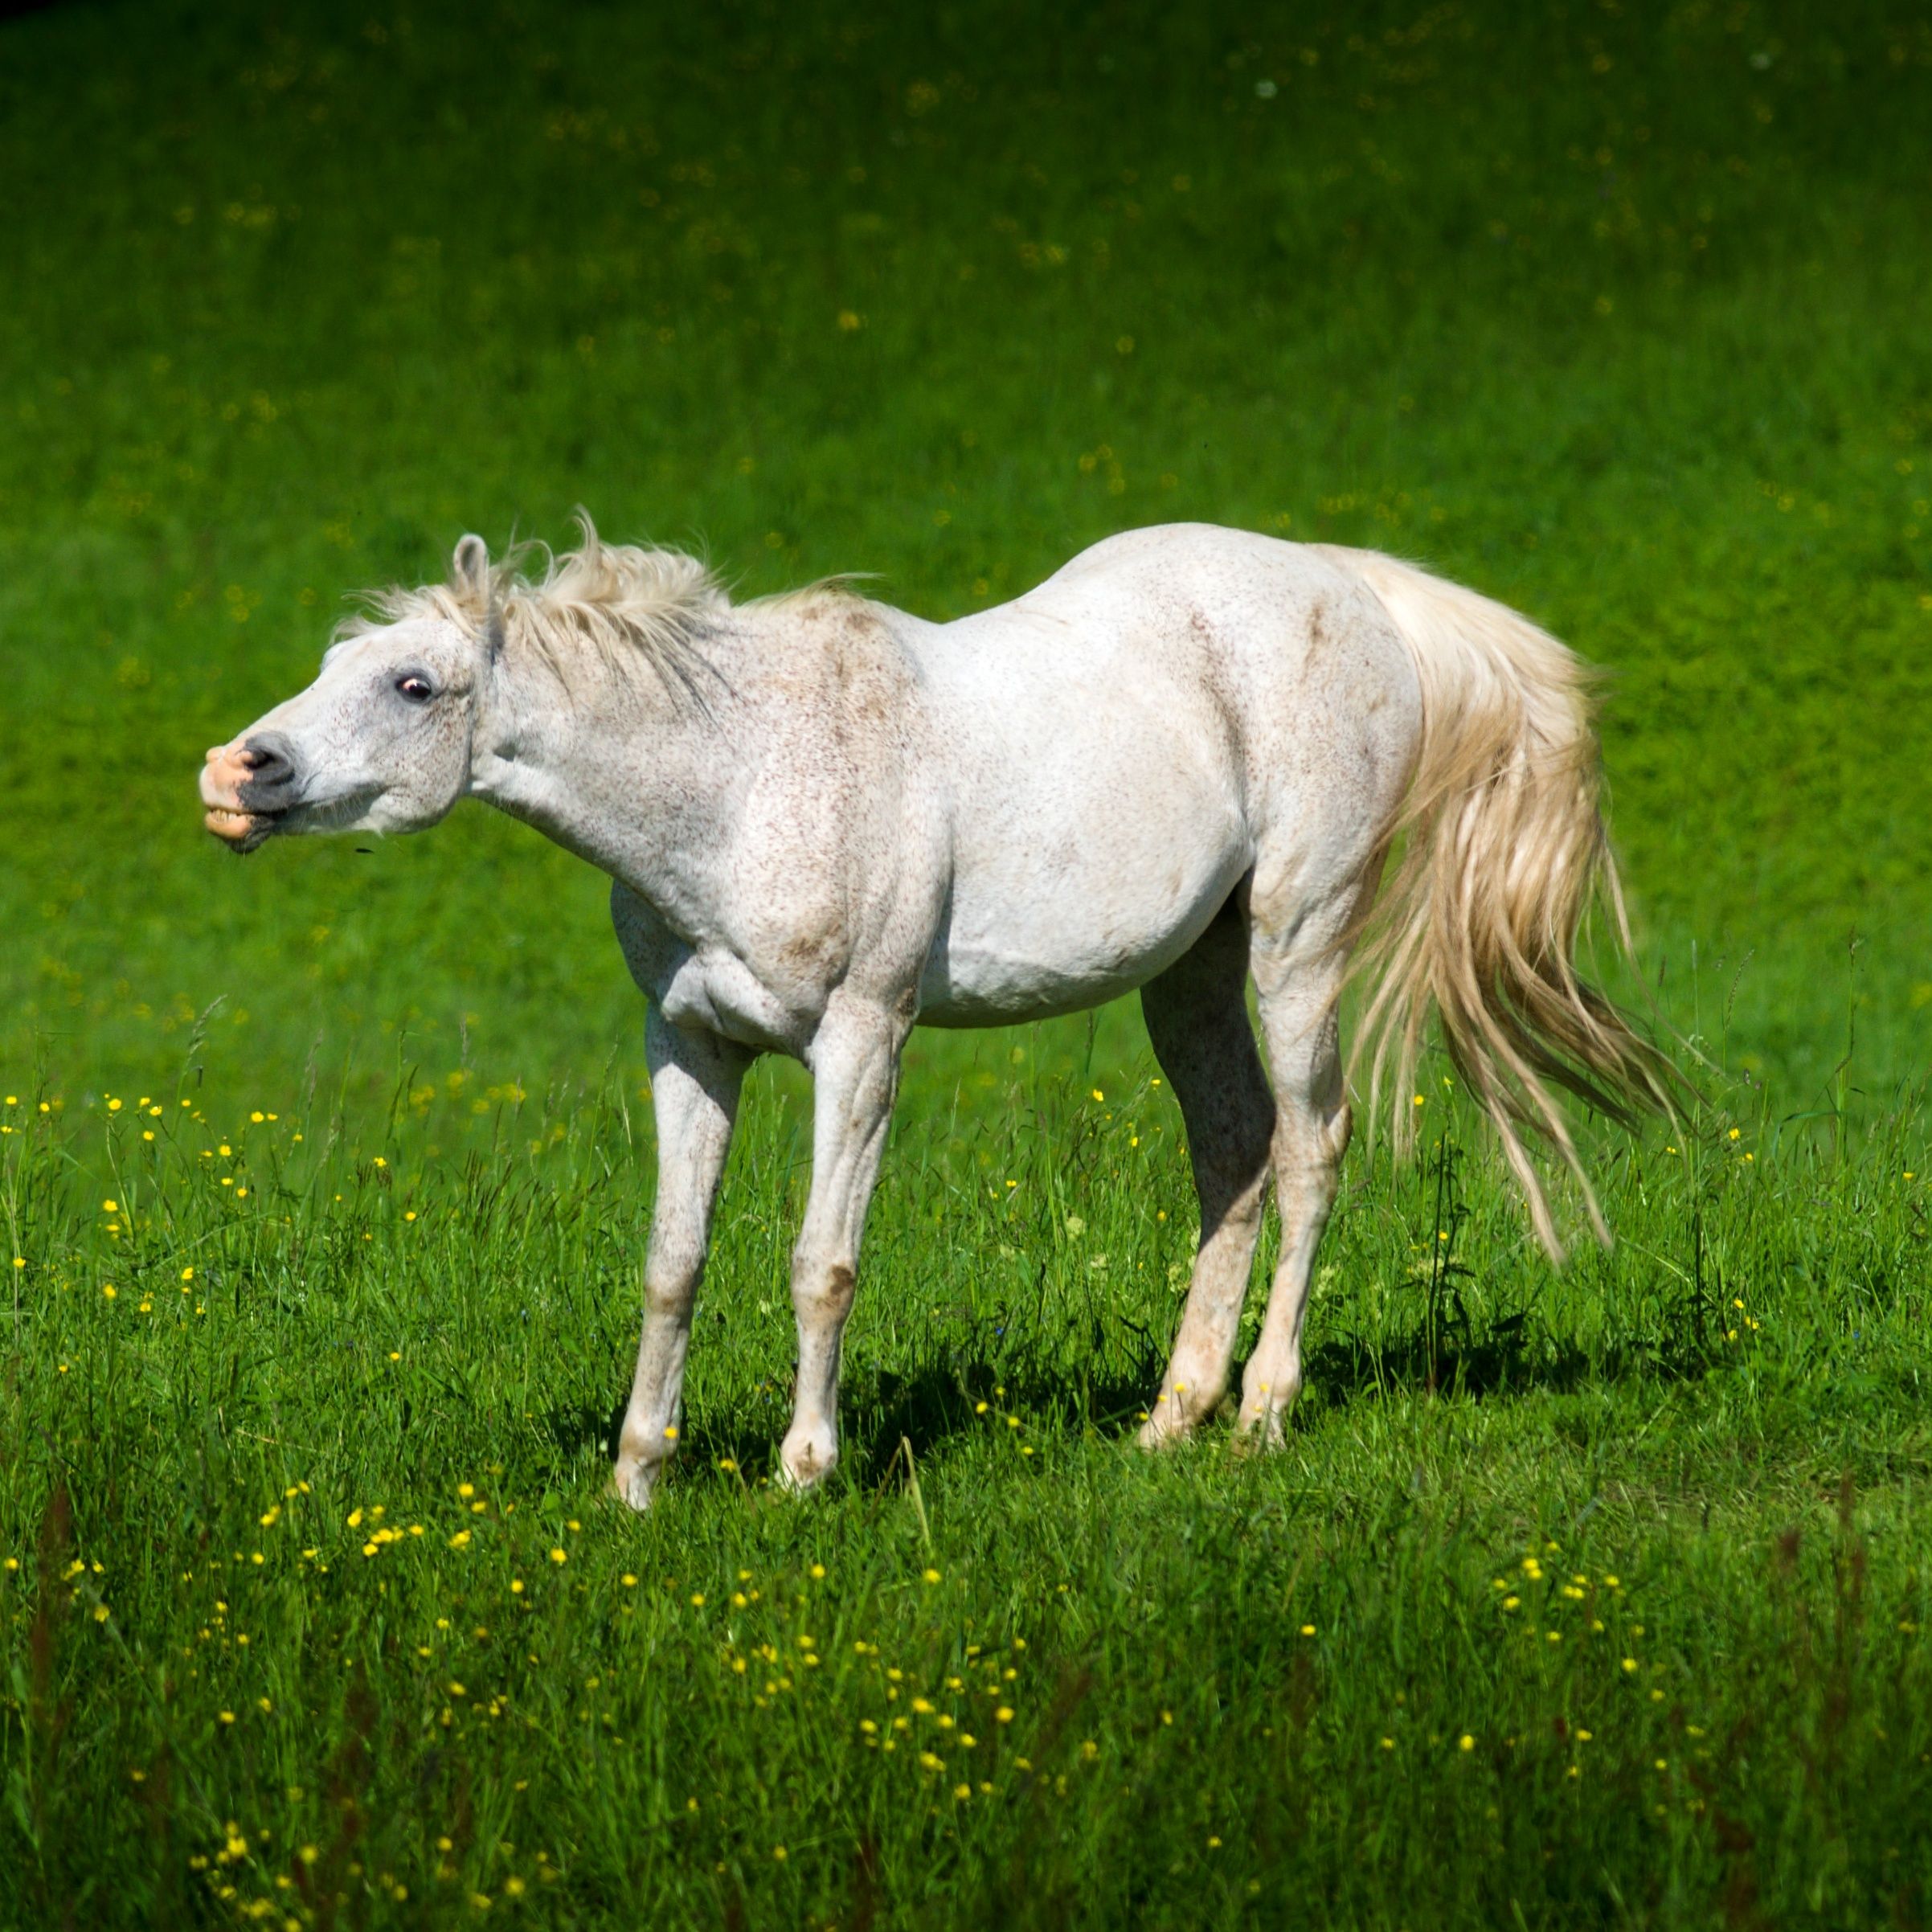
<point>1180,762</point>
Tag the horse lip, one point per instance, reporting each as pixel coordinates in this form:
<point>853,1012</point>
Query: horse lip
<point>239,828</point>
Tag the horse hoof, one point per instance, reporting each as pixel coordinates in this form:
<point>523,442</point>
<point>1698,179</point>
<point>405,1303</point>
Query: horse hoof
<point>1257,1434</point>
<point>1164,1429</point>
<point>632,1487</point>
<point>805,1468</point>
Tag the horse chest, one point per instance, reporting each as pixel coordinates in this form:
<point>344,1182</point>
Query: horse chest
<point>716,990</point>
<point>706,986</point>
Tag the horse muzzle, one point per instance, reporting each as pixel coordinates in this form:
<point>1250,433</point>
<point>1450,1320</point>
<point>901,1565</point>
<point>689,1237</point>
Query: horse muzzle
<point>247,786</point>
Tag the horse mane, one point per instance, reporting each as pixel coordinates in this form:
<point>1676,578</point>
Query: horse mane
<point>608,608</point>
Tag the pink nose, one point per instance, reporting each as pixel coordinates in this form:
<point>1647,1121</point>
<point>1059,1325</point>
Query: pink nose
<point>247,786</point>
<point>262,763</point>
<point>223,772</point>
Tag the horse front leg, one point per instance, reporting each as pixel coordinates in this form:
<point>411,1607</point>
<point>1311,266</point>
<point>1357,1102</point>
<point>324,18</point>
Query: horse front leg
<point>695,1078</point>
<point>855,1063</point>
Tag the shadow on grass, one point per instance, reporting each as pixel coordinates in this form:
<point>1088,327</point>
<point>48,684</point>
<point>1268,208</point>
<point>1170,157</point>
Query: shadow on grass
<point>1511,1356</point>
<point>939,1401</point>
<point>1505,1359</point>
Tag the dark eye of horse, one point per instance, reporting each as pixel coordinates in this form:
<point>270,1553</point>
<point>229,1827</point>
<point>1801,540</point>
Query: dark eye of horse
<point>417,690</point>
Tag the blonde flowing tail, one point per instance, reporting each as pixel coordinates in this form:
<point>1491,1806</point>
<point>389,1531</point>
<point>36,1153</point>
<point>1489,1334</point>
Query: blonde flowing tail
<point>1503,853</point>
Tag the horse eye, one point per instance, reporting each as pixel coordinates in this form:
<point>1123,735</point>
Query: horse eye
<point>418,690</point>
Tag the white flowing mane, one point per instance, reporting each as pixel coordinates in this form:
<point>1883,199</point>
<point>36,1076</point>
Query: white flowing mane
<point>622,605</point>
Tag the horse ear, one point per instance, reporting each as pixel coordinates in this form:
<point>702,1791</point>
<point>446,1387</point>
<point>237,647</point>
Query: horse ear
<point>470,565</point>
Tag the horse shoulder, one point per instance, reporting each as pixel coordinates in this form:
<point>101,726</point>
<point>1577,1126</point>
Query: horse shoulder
<point>837,853</point>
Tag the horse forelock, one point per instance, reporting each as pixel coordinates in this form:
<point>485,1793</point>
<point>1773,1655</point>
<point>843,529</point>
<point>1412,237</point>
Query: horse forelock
<point>599,611</point>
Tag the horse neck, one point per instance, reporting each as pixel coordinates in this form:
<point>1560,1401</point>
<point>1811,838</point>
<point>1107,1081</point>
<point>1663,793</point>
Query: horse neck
<point>610,771</point>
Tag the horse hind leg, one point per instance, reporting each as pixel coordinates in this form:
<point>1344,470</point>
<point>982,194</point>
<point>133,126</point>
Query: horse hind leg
<point>1300,989</point>
<point>1198,1018</point>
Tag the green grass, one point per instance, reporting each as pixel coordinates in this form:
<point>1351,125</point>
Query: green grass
<point>1617,320</point>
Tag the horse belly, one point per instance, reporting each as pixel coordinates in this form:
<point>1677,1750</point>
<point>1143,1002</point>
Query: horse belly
<point>1039,925</point>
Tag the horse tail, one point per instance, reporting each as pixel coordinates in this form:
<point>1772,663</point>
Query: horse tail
<point>1503,853</point>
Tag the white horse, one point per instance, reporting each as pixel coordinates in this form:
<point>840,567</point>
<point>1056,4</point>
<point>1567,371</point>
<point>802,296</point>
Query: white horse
<point>1182,760</point>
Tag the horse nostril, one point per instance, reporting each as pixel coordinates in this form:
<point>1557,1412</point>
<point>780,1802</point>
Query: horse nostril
<point>270,762</point>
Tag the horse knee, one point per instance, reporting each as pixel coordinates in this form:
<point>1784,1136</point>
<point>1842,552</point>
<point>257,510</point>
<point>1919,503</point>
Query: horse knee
<point>668,1301</point>
<point>822,1293</point>
<point>671,1266</point>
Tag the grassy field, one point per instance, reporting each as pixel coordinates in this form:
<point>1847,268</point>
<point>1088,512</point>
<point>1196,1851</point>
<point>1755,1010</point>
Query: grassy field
<point>1595,1598</point>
